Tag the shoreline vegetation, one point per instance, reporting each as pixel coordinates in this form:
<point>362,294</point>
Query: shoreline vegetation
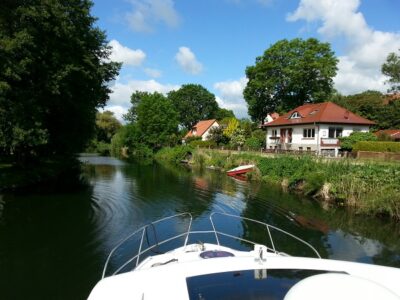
<point>366,187</point>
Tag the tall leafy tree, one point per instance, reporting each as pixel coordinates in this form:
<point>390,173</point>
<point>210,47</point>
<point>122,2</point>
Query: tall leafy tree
<point>54,73</point>
<point>391,68</point>
<point>106,126</point>
<point>193,102</point>
<point>289,74</point>
<point>131,115</point>
<point>223,113</point>
<point>157,120</point>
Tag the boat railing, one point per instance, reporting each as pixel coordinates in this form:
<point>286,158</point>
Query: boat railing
<point>143,231</point>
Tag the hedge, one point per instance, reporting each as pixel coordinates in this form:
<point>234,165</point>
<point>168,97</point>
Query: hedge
<point>377,146</point>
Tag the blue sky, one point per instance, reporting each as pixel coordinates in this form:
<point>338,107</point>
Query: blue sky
<point>166,43</point>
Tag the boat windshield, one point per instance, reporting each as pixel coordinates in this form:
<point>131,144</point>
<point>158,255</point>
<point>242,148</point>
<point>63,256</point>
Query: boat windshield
<point>250,284</point>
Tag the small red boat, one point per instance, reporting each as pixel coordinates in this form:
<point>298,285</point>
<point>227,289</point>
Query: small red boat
<point>240,170</point>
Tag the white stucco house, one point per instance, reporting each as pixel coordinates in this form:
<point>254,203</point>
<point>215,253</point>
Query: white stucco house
<point>202,129</point>
<point>314,127</point>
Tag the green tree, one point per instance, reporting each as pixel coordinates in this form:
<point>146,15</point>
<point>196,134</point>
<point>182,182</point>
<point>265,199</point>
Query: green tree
<point>368,104</point>
<point>131,115</point>
<point>289,74</point>
<point>54,73</point>
<point>391,68</point>
<point>238,137</point>
<point>347,143</point>
<point>223,113</point>
<point>106,126</point>
<point>389,117</point>
<point>157,120</point>
<point>193,103</point>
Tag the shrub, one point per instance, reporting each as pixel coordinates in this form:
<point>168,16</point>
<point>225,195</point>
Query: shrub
<point>190,139</point>
<point>347,143</point>
<point>253,143</point>
<point>203,144</point>
<point>377,146</point>
<point>175,154</point>
<point>103,148</point>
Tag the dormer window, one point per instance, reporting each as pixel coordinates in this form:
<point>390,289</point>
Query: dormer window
<point>295,115</point>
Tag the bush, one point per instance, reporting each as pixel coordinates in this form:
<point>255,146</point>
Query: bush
<point>203,144</point>
<point>253,143</point>
<point>175,154</point>
<point>347,143</point>
<point>192,139</point>
<point>377,146</point>
<point>103,148</point>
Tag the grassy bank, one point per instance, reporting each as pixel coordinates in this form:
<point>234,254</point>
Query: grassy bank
<point>369,188</point>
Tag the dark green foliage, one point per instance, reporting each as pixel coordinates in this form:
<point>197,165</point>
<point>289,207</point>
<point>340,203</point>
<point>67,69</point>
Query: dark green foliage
<point>157,120</point>
<point>260,135</point>
<point>193,103</point>
<point>391,68</point>
<point>389,116</point>
<point>371,105</point>
<point>377,146</point>
<point>223,113</point>
<point>253,143</point>
<point>217,135</point>
<point>131,115</point>
<point>347,143</point>
<point>192,138</point>
<point>203,144</point>
<point>289,74</point>
<point>368,104</point>
<point>54,73</point>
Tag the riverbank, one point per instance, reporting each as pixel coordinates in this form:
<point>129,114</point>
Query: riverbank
<point>369,188</point>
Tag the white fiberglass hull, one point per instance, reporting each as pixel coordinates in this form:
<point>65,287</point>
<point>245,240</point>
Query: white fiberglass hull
<point>165,276</point>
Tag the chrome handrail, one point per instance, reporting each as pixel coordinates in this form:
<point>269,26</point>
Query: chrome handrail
<point>188,232</point>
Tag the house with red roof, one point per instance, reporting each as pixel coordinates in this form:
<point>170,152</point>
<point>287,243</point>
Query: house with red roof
<point>394,134</point>
<point>202,129</point>
<point>314,127</point>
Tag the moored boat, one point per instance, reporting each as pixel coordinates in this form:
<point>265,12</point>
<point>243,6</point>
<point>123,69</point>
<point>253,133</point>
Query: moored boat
<point>240,170</point>
<point>161,269</point>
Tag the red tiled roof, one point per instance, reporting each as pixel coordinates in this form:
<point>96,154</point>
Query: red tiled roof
<point>326,112</point>
<point>394,133</point>
<point>201,127</point>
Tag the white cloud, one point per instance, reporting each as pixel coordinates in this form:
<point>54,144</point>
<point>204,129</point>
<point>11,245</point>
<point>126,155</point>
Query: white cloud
<point>231,96</point>
<point>123,91</point>
<point>367,49</point>
<point>188,62</point>
<point>152,72</point>
<point>126,55</point>
<point>146,14</point>
<point>118,111</point>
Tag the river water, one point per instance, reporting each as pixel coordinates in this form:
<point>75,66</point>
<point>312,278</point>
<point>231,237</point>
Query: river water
<point>53,246</point>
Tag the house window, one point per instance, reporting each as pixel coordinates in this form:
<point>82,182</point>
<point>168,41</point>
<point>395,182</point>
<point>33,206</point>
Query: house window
<point>308,132</point>
<point>295,115</point>
<point>300,148</point>
<point>274,132</point>
<point>335,132</point>
<point>308,148</point>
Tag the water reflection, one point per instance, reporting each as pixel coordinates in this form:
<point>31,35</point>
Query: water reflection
<point>54,246</point>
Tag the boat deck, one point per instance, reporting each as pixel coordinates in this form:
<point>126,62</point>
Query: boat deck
<point>171,275</point>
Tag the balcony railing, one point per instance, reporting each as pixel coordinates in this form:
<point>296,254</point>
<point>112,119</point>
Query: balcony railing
<point>333,142</point>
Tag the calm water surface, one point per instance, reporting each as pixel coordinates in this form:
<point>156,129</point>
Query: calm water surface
<point>54,246</point>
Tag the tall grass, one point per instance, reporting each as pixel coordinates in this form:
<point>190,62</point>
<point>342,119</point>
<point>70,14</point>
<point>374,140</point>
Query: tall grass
<point>370,188</point>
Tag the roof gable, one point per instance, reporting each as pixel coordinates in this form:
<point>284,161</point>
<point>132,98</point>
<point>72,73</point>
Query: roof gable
<point>200,128</point>
<point>326,112</point>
